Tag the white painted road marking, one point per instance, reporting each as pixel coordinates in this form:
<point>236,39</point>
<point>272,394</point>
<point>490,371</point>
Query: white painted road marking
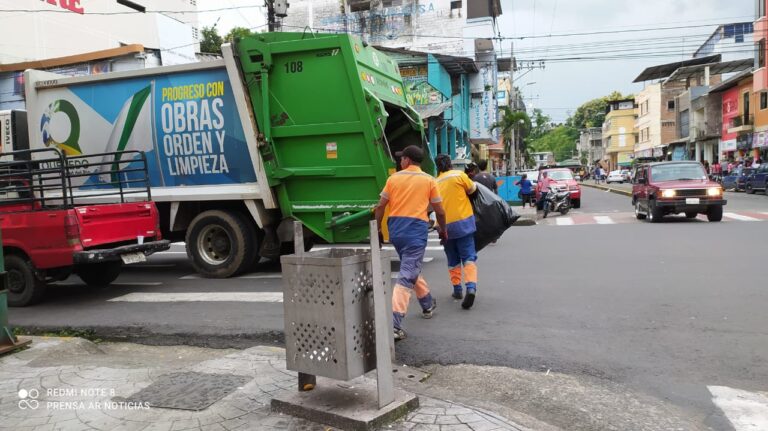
<point>200,297</point>
<point>747,411</point>
<point>604,220</point>
<point>249,276</point>
<point>564,221</point>
<point>740,217</point>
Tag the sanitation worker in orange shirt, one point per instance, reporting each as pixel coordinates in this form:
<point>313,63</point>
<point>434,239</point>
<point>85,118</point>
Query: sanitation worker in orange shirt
<point>409,193</point>
<point>455,188</point>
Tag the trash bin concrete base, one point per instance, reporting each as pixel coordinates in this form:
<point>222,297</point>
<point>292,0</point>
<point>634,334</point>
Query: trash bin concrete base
<point>350,405</point>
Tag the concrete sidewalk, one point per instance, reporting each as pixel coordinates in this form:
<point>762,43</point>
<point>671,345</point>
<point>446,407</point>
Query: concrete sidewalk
<point>74,384</point>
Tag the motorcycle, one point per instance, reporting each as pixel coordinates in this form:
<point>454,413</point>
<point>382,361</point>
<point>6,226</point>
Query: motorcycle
<point>557,200</point>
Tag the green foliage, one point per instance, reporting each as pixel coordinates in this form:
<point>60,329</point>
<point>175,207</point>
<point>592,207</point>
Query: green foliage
<point>542,124</point>
<point>512,121</point>
<point>212,41</point>
<point>561,141</point>
<point>592,113</point>
<point>237,32</point>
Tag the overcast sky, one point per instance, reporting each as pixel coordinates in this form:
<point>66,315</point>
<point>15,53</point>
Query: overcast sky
<point>564,85</point>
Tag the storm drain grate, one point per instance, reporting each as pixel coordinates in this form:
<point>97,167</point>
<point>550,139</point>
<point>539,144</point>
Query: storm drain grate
<point>188,391</point>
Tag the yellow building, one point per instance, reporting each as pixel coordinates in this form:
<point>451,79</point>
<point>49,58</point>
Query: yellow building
<point>619,133</point>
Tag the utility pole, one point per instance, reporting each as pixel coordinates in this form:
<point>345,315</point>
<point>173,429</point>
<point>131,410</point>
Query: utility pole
<point>270,14</point>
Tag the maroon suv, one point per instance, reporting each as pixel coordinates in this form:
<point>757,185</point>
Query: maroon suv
<point>665,188</point>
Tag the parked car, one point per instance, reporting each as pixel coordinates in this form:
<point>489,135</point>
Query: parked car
<point>757,180</point>
<point>737,179</point>
<point>626,174</point>
<point>50,231</point>
<point>615,177</point>
<point>564,180</point>
<point>665,188</point>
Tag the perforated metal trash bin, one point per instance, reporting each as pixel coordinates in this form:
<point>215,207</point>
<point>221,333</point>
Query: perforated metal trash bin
<point>329,316</point>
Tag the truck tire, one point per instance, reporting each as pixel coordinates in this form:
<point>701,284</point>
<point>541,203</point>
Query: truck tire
<point>715,213</point>
<point>220,243</point>
<point>25,287</point>
<point>576,203</point>
<point>654,213</point>
<point>100,274</point>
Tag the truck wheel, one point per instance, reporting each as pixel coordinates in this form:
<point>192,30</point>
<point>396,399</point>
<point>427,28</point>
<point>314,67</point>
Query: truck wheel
<point>715,213</point>
<point>24,285</point>
<point>691,214</point>
<point>638,214</point>
<point>654,213</point>
<point>100,274</point>
<point>576,203</point>
<point>749,190</point>
<point>220,243</point>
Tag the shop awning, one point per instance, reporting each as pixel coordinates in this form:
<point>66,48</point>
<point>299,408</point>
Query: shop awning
<point>432,110</point>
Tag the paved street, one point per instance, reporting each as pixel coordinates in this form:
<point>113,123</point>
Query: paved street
<point>669,313</point>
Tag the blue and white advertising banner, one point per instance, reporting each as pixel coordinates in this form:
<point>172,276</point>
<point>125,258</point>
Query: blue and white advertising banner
<point>186,123</point>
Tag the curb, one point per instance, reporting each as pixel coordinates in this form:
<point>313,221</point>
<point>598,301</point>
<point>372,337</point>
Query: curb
<point>523,221</point>
<point>610,189</point>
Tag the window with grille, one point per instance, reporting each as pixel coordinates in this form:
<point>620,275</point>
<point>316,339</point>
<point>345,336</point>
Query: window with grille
<point>761,53</point>
<point>763,100</point>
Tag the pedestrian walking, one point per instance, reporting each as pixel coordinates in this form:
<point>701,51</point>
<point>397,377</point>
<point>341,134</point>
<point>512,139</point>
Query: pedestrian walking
<point>598,174</point>
<point>484,178</point>
<point>459,245</point>
<point>526,190</point>
<point>409,194</point>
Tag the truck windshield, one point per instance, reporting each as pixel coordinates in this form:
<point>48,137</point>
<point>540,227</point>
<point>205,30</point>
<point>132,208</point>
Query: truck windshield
<point>678,171</point>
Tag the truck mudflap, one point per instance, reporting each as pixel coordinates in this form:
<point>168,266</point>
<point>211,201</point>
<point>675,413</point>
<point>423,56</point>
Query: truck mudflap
<point>112,254</point>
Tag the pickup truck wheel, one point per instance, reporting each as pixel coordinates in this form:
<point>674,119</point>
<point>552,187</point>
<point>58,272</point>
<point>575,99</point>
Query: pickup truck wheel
<point>638,214</point>
<point>715,213</point>
<point>691,215</point>
<point>576,203</point>
<point>220,244</point>
<point>24,285</point>
<point>749,190</point>
<point>100,274</point>
<point>654,213</point>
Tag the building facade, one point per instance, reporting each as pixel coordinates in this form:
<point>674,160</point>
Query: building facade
<point>732,41</point>
<point>53,29</point>
<point>619,133</point>
<point>760,79</point>
<point>591,145</point>
<point>656,118</point>
<point>437,86</point>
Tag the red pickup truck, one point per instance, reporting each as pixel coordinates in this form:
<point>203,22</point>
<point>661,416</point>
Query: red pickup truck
<point>52,228</point>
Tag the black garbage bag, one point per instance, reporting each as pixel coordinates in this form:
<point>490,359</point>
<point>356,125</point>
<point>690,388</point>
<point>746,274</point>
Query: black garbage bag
<point>493,216</point>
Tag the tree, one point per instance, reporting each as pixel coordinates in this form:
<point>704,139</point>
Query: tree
<point>561,141</point>
<point>237,32</point>
<point>212,41</point>
<point>511,124</point>
<point>592,113</point>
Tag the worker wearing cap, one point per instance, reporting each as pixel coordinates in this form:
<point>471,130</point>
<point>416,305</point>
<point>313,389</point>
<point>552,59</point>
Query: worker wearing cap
<point>409,194</point>
<point>455,188</point>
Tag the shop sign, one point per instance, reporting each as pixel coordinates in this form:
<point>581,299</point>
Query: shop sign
<point>729,145</point>
<point>760,140</point>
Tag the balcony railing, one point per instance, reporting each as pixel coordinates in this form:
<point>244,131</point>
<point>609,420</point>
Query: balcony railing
<point>742,121</point>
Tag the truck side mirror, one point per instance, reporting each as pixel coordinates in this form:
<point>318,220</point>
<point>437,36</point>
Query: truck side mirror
<point>641,181</point>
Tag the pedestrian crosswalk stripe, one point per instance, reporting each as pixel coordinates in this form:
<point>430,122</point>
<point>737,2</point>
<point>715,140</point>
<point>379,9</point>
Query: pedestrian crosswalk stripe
<point>564,221</point>
<point>249,276</point>
<point>747,411</point>
<point>739,217</point>
<point>604,220</point>
<point>200,297</point>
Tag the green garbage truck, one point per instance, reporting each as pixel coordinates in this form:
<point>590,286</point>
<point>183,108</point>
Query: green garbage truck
<point>286,126</point>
